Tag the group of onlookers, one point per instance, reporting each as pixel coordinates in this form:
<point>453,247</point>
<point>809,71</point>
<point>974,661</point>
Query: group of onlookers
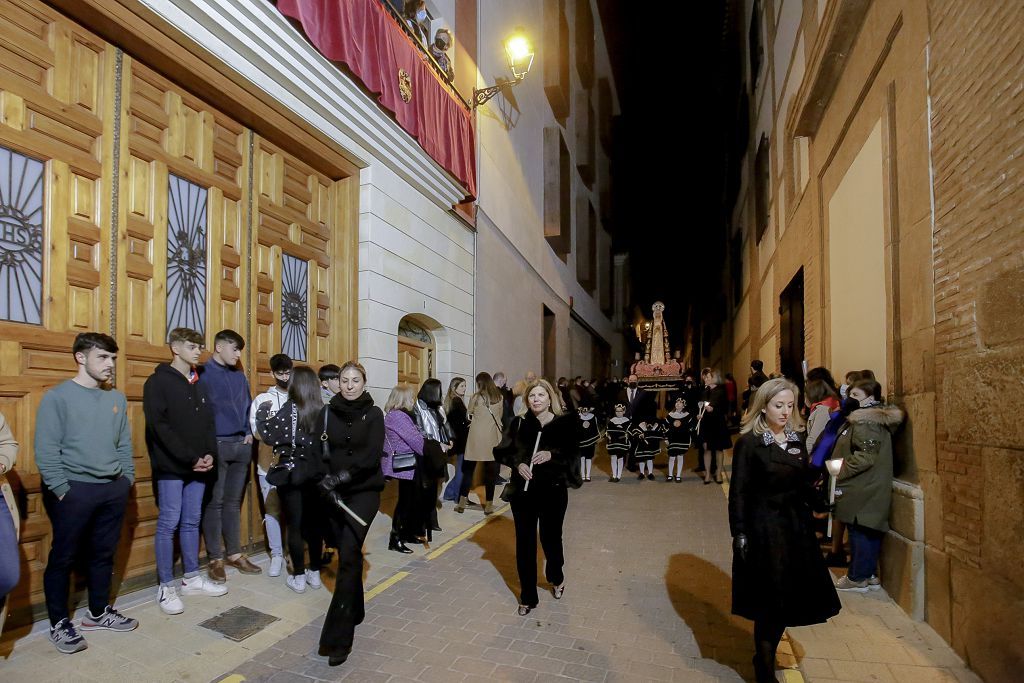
<point>778,482</point>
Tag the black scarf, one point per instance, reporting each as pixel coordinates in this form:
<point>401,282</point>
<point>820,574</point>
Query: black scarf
<point>355,407</point>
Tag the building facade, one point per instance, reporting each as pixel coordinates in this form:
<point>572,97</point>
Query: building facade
<point>876,223</point>
<point>207,163</point>
<point>544,257</point>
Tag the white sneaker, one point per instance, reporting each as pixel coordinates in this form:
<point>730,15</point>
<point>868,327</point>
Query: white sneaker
<point>276,564</point>
<point>170,603</point>
<point>200,585</point>
<point>874,583</point>
<point>313,579</point>
<point>297,583</point>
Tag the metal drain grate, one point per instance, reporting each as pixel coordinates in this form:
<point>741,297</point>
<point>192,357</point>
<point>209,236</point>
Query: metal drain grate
<point>238,623</point>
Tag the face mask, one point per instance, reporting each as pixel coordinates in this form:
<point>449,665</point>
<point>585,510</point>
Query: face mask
<point>281,384</point>
<point>632,385</point>
<point>850,405</point>
<point>421,15</point>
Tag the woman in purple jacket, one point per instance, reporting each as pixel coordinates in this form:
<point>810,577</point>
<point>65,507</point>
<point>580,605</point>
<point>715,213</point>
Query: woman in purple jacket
<point>402,437</point>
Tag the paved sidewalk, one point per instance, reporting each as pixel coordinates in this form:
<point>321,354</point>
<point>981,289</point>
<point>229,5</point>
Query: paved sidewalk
<point>647,599</point>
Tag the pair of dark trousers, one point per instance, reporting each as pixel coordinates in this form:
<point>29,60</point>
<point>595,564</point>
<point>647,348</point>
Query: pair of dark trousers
<point>10,563</point>
<point>347,609</point>
<point>222,513</point>
<point>405,521</point>
<point>303,510</point>
<point>544,507</point>
<point>490,474</point>
<point>865,547</point>
<point>87,520</point>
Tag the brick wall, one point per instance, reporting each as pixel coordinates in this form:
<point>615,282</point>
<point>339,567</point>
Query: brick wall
<point>976,80</point>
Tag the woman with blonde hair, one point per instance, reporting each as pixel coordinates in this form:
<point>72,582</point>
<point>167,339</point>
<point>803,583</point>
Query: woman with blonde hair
<point>542,448</point>
<point>485,412</point>
<point>779,577</point>
<point>402,438</point>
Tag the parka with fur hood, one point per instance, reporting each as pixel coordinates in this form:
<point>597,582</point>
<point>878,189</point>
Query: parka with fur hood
<point>865,444</point>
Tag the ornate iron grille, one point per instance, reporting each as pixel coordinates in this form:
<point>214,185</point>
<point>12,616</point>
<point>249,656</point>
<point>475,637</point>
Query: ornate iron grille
<point>186,255</point>
<point>21,238</point>
<point>294,306</point>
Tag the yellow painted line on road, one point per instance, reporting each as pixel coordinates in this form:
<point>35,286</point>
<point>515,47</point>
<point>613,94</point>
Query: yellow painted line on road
<point>384,585</point>
<point>466,534</point>
<point>232,678</point>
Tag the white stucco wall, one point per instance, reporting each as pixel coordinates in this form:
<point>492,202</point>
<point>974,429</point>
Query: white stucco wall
<point>518,271</point>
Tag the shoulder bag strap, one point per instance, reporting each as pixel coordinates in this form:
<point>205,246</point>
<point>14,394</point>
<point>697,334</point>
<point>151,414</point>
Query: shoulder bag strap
<point>326,449</point>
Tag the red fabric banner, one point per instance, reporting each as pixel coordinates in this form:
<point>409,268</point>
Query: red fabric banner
<point>363,36</point>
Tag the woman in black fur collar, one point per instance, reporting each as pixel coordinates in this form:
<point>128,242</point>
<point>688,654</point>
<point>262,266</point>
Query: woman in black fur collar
<point>543,470</point>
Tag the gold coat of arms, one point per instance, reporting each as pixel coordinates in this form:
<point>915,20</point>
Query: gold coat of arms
<point>405,85</point>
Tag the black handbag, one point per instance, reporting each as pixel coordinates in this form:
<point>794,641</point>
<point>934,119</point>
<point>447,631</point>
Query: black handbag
<point>400,462</point>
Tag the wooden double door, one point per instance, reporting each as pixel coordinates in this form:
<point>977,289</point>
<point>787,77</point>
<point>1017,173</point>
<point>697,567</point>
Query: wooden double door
<point>130,207</point>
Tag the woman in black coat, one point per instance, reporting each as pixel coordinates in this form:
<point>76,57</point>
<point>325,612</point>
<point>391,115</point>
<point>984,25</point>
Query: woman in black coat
<point>355,437</point>
<point>542,472</point>
<point>713,430</point>
<point>779,578</point>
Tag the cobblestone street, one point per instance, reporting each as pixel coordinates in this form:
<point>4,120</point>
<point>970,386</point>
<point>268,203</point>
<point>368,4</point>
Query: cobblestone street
<point>647,599</point>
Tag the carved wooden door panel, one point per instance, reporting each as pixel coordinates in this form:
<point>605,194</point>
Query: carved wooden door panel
<point>182,247</point>
<point>292,278</point>
<point>56,147</point>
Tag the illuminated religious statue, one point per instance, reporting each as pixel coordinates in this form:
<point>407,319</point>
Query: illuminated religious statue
<point>657,361</point>
<point>657,349</point>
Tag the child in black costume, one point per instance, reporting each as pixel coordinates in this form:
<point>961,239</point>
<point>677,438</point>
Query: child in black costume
<point>650,433</point>
<point>589,434</point>
<point>678,426</point>
<point>617,437</point>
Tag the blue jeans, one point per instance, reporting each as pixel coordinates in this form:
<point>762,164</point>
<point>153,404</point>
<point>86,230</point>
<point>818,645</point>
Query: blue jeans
<point>10,563</point>
<point>451,491</point>
<point>181,507</point>
<point>865,546</point>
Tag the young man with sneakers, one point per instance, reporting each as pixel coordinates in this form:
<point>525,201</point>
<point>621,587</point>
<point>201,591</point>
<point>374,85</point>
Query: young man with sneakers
<point>83,449</point>
<point>182,442</point>
<point>277,395</point>
<point>227,389</point>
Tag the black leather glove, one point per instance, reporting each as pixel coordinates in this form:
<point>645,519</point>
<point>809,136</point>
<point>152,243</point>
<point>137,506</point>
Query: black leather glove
<point>330,482</point>
<point>739,546</point>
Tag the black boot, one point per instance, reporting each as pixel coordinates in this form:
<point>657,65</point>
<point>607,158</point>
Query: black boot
<point>395,543</point>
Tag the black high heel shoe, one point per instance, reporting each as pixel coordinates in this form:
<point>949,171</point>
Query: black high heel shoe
<point>395,543</point>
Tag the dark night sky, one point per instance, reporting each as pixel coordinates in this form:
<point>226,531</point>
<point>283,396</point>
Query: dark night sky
<point>670,144</point>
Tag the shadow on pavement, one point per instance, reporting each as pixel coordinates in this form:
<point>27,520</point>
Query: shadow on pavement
<point>498,541</point>
<point>701,594</point>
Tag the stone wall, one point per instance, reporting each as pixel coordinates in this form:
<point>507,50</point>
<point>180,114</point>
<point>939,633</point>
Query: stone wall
<point>976,569</point>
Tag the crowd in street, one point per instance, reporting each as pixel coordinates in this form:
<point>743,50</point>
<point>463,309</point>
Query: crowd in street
<point>324,450</point>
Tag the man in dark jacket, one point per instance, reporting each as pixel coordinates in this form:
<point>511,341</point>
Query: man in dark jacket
<point>182,443</point>
<point>754,382</point>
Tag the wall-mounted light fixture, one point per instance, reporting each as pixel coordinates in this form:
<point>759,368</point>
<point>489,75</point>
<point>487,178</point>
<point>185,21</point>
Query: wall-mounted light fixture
<point>519,53</point>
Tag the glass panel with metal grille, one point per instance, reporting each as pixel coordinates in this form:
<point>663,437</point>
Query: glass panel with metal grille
<point>21,238</point>
<point>186,255</point>
<point>294,306</point>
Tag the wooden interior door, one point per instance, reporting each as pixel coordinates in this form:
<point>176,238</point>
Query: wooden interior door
<point>56,156</point>
<point>412,361</point>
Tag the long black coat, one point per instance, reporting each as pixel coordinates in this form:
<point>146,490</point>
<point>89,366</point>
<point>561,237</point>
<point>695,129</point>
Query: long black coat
<point>784,578</point>
<point>713,430</point>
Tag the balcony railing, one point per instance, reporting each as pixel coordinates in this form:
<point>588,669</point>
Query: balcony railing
<point>442,75</point>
